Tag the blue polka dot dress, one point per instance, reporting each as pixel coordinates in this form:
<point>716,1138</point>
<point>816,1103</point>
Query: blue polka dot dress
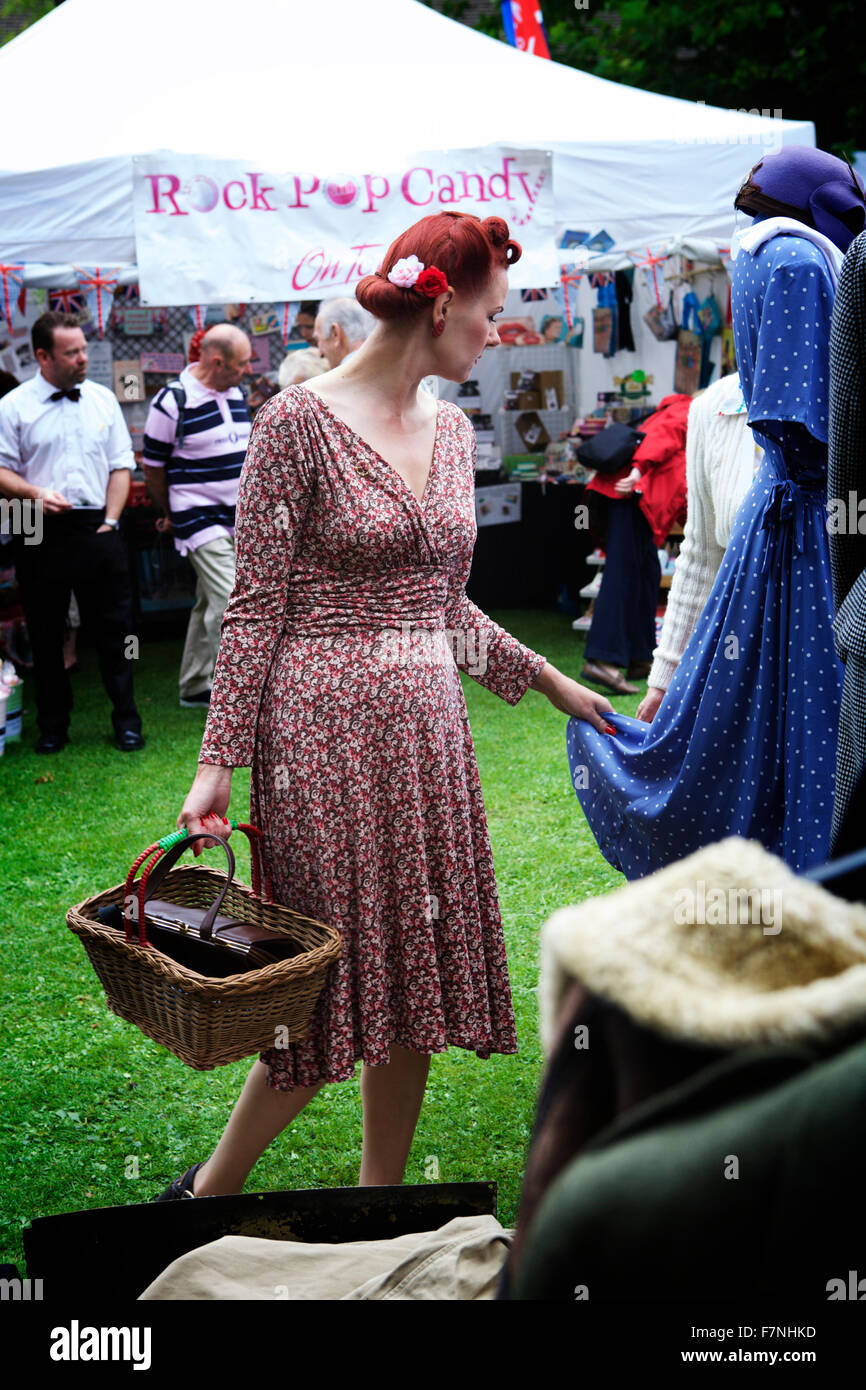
<point>744,742</point>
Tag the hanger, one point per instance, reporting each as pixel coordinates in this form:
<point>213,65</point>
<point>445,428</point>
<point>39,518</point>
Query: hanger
<point>844,878</point>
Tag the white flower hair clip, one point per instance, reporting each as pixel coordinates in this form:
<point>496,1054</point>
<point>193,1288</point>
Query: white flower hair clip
<point>404,273</point>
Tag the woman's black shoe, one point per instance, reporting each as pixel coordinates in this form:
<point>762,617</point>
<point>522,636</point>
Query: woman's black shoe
<point>181,1187</point>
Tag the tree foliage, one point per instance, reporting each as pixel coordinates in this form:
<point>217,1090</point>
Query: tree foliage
<point>27,11</point>
<point>804,61</point>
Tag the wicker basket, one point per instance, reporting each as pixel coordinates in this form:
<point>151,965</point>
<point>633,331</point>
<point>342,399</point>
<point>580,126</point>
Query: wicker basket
<point>208,1022</point>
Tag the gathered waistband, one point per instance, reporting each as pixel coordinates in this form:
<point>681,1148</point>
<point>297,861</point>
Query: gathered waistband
<point>321,602</point>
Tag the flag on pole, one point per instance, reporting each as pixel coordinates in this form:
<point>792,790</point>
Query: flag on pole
<point>524,26</point>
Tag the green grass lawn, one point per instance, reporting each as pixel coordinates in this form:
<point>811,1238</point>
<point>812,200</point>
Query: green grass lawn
<point>85,1093</point>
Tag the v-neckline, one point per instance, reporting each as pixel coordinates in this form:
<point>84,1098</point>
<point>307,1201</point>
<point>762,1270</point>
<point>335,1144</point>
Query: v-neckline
<point>419,501</point>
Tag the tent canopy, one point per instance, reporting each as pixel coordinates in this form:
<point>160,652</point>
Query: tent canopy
<point>338,86</point>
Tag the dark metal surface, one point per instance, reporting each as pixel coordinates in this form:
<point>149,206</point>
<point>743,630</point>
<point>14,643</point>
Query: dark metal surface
<point>123,1249</point>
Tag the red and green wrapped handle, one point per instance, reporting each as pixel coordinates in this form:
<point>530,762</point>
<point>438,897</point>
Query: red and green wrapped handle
<point>135,895</point>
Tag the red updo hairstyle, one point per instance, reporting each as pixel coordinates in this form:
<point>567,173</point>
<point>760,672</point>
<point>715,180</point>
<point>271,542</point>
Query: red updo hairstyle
<point>459,244</point>
<point>194,354</point>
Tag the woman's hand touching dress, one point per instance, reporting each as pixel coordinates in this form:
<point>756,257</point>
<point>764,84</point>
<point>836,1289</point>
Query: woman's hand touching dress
<point>567,695</point>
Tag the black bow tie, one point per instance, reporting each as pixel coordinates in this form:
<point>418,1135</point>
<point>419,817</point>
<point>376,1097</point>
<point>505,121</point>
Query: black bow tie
<point>71,395</point>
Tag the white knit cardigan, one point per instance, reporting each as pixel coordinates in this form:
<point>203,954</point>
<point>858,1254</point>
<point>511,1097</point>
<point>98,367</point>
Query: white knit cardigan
<point>721,458</point>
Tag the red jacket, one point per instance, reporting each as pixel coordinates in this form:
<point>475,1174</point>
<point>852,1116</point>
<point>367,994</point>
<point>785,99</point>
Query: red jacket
<point>661,459</point>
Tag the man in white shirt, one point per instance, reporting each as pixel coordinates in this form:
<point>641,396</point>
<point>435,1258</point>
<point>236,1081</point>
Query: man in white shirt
<point>195,442</point>
<point>66,455</point>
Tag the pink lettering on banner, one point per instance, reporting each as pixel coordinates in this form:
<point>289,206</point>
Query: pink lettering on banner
<point>356,269</point>
<point>301,192</point>
<point>173,187</point>
<point>480,196</point>
<point>260,195</point>
<point>446,185</point>
<point>307,270</point>
<point>419,181</point>
<point>342,195</point>
<point>329,272</point>
<point>506,186</point>
<point>203,193</point>
<point>522,180</point>
<point>372,195</point>
<point>235,207</point>
<point>406,187</point>
<point>314,268</point>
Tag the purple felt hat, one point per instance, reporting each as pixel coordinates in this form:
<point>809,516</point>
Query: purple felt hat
<point>810,185</point>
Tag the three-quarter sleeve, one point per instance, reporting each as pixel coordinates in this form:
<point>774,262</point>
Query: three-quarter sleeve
<point>483,649</point>
<point>275,491</point>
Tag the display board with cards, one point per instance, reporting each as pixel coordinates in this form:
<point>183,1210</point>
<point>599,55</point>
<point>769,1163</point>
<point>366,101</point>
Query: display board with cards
<point>521,395</point>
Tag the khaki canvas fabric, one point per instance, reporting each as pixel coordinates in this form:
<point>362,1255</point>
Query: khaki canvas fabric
<point>461,1261</point>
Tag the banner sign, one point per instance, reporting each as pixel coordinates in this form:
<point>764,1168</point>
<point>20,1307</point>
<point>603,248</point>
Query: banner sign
<point>209,230</point>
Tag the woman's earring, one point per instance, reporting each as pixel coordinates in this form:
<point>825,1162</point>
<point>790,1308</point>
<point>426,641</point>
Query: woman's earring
<point>438,328</point>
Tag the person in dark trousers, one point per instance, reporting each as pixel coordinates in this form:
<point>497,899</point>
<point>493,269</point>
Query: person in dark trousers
<point>64,447</point>
<point>640,503</point>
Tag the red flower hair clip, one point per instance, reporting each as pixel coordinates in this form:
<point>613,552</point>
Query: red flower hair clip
<point>431,282</point>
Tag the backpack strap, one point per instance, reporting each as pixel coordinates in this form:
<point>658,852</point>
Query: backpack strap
<point>175,386</point>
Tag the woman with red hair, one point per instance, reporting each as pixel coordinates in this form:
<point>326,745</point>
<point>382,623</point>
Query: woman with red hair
<point>337,683</point>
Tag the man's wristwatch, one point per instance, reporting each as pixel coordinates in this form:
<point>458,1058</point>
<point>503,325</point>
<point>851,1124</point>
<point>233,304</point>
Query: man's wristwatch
<point>112,522</point>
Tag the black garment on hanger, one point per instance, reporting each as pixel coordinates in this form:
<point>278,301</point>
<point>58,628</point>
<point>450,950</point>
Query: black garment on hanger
<point>624,295</point>
<point>845,873</point>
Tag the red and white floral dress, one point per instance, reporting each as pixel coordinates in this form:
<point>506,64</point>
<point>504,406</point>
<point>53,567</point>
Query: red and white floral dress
<point>337,684</point>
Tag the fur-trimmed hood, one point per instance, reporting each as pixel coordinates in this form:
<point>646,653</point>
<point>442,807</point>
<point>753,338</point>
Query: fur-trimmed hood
<point>727,947</point>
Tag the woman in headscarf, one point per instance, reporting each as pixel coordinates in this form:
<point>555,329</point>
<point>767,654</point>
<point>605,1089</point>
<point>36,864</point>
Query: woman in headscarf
<point>744,742</point>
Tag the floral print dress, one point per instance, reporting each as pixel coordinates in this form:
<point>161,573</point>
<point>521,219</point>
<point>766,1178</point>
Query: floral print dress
<point>337,683</point>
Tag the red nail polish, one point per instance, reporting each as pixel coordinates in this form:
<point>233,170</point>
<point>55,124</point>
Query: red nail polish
<point>609,729</point>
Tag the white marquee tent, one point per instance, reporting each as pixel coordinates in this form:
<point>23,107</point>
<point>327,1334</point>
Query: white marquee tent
<point>335,84</point>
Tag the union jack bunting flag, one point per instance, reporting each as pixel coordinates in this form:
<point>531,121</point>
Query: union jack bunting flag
<point>529,296</point>
<point>66,301</point>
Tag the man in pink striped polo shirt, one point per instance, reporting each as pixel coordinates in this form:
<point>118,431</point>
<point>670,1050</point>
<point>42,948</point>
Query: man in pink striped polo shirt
<point>192,473</point>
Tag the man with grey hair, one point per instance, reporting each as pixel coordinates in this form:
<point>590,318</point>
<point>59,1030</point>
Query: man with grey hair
<point>195,441</point>
<point>340,329</point>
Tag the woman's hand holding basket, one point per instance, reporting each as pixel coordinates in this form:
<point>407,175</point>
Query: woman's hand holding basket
<point>208,798</point>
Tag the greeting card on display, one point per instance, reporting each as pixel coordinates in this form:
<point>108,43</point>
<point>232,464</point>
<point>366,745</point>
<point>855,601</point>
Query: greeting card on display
<point>261,355</point>
<point>17,356</point>
<point>35,305</point>
<point>518,332</point>
<point>264,322</point>
<point>128,380</point>
<point>100,363</point>
<point>169,363</point>
<point>138,323</point>
<point>497,505</point>
<point>553,328</point>
<point>135,416</point>
<point>571,239</point>
<point>600,242</point>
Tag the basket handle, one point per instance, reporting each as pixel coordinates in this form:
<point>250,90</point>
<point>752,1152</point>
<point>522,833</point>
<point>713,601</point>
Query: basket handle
<point>167,862</point>
<point>174,844</point>
<point>153,875</point>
